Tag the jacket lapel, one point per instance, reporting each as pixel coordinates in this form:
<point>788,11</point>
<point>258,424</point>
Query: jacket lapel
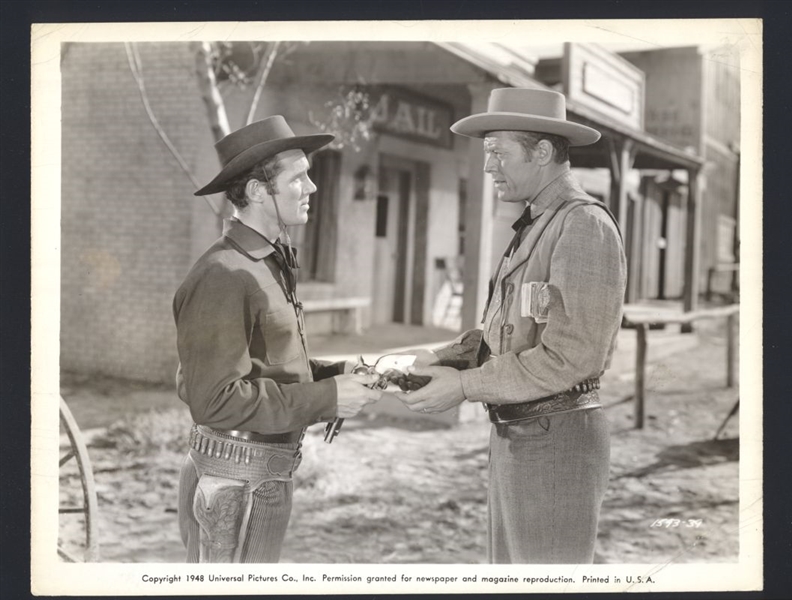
<point>547,204</point>
<point>525,249</point>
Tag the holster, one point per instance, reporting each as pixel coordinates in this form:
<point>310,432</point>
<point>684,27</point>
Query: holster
<point>222,507</point>
<point>230,470</point>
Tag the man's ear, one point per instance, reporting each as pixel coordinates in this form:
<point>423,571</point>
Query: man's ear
<point>255,191</point>
<point>544,152</point>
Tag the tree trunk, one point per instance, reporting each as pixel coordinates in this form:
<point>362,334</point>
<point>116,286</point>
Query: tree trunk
<point>266,66</point>
<point>207,84</point>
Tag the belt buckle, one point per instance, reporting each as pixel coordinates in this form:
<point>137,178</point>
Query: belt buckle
<point>494,417</point>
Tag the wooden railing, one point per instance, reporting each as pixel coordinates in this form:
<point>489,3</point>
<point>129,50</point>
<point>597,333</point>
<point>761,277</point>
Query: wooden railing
<point>642,319</point>
<point>713,272</point>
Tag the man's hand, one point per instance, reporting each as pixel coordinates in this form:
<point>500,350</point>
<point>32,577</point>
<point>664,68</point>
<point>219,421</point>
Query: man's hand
<point>444,391</point>
<point>353,394</point>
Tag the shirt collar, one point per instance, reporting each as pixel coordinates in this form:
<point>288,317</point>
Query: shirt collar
<point>247,240</point>
<point>552,193</point>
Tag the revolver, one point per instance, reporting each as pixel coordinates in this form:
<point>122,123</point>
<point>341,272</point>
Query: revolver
<point>386,375</point>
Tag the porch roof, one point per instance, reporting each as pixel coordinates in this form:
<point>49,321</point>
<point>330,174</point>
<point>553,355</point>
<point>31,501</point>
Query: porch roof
<point>515,70</point>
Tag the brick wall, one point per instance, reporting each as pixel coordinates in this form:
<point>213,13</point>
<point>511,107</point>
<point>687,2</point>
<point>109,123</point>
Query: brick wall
<point>126,206</point>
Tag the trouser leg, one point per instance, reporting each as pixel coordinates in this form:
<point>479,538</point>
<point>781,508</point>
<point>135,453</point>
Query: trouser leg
<point>188,526</point>
<point>232,520</point>
<point>269,518</point>
<point>548,477</point>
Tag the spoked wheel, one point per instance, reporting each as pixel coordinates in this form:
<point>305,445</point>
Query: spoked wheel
<point>77,495</point>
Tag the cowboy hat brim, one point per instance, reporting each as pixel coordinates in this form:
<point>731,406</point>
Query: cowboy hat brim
<point>477,126</point>
<point>259,152</point>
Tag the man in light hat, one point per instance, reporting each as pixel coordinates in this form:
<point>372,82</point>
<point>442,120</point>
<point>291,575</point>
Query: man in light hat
<point>244,369</point>
<point>549,331</point>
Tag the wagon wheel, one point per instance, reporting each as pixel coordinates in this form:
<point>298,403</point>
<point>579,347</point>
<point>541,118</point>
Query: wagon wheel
<point>78,451</point>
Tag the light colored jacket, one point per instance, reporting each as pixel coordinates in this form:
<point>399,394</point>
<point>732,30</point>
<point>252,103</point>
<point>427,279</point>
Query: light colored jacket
<point>557,302</point>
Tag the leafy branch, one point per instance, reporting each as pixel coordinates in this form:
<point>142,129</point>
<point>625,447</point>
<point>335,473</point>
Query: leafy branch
<point>350,118</point>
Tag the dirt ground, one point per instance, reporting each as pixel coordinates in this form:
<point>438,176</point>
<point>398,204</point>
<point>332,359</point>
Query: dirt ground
<point>390,490</point>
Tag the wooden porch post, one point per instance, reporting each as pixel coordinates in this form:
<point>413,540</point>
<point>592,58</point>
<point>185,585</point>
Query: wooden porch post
<point>622,157</point>
<point>692,246</point>
<point>640,374</point>
<point>626,160</point>
<point>732,350</point>
<point>478,226</point>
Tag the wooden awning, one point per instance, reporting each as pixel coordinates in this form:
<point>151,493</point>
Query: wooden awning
<point>650,152</point>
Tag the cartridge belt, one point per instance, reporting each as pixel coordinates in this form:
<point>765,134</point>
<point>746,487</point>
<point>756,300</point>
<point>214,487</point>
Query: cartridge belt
<point>581,397</point>
<point>219,444</point>
<point>262,438</point>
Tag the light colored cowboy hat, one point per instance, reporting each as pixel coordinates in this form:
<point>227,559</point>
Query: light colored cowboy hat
<point>246,147</point>
<point>526,109</point>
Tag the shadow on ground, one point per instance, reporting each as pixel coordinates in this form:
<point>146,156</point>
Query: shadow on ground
<point>690,456</point>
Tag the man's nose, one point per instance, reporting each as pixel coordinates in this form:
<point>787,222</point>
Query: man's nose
<point>311,187</point>
<point>490,165</point>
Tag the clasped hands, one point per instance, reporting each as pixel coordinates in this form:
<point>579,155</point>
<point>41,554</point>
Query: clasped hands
<point>425,387</point>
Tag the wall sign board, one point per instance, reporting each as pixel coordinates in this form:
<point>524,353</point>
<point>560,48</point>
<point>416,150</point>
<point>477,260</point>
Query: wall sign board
<point>405,114</point>
<point>604,82</point>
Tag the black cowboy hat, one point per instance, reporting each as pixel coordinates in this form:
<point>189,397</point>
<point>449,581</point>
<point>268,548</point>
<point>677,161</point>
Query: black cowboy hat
<point>246,147</point>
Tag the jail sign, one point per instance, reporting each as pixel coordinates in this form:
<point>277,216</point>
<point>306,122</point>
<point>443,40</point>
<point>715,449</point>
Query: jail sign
<point>411,116</point>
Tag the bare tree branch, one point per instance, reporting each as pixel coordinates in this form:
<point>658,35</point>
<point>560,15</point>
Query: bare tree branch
<point>267,61</point>
<point>135,67</point>
<point>207,83</point>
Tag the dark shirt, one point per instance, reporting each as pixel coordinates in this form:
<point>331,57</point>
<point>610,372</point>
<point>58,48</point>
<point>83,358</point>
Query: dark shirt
<point>242,351</point>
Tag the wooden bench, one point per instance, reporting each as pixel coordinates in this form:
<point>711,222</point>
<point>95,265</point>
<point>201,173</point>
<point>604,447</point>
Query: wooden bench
<point>641,319</point>
<point>348,310</point>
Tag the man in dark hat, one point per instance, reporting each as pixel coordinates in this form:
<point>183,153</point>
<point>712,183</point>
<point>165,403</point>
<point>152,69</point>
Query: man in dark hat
<point>244,370</point>
<point>549,331</point>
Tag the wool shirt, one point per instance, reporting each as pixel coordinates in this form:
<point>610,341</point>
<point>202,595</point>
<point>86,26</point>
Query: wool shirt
<point>243,355</point>
<point>557,303</point>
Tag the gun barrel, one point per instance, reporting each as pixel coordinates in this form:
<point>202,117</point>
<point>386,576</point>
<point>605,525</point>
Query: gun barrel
<point>332,429</point>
